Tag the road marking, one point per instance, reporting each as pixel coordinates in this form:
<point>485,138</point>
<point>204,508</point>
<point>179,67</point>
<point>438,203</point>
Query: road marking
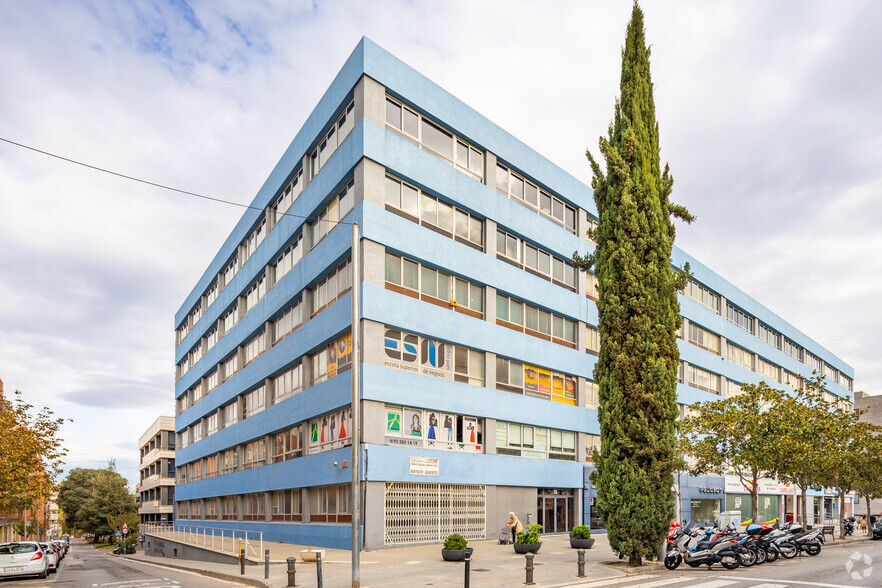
<point>609,581</point>
<point>714,584</point>
<point>659,582</point>
<point>767,585</point>
<point>413,563</point>
<point>800,582</point>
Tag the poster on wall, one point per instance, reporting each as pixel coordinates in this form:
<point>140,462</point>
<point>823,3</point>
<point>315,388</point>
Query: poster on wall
<point>432,429</point>
<point>401,350</point>
<point>413,422</point>
<point>737,502</point>
<point>436,359</point>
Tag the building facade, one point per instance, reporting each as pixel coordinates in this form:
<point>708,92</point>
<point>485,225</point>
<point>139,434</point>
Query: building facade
<point>156,489</point>
<point>873,407</point>
<point>478,337</point>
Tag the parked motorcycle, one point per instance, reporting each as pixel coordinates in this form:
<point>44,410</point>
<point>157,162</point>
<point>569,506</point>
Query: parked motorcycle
<point>723,550</point>
<point>848,524</point>
<point>877,530</point>
<point>804,541</point>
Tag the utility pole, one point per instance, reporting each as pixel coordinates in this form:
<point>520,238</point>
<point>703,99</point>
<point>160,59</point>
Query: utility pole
<point>356,410</point>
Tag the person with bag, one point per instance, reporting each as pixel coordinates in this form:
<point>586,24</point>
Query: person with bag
<point>515,525</point>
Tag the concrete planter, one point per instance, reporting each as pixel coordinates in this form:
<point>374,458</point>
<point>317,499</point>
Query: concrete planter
<point>310,554</point>
<point>581,543</point>
<point>456,554</point>
<point>523,548</point>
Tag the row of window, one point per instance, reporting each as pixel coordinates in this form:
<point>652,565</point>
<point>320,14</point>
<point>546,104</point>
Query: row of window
<point>326,504</point>
<point>423,281</point>
<point>532,320</point>
<point>323,433</point>
<point>339,129</point>
<point>514,185</point>
<point>436,140</point>
<point>420,206</point>
<point>755,327</point>
<point>432,429</point>
<point>535,442</point>
<point>535,259</point>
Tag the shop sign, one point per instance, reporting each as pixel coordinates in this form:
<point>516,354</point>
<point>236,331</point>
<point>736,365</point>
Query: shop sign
<point>765,486</point>
<point>710,490</point>
<point>424,466</point>
<point>768,502</point>
<point>737,502</point>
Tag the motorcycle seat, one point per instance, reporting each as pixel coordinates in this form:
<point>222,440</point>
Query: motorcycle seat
<point>710,544</point>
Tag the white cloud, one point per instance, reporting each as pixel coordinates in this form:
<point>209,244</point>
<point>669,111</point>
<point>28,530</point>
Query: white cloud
<point>768,116</point>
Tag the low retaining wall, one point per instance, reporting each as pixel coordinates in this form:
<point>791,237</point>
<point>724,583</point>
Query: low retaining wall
<point>159,546</point>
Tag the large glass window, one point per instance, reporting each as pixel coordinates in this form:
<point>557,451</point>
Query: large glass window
<point>523,190</point>
<point>535,442</point>
<point>539,322</point>
<point>521,378</point>
<point>434,283</point>
<point>434,212</point>
<point>704,338</point>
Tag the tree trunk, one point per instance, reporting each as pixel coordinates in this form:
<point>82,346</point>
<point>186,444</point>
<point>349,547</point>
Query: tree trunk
<point>869,529</point>
<point>803,508</point>
<point>635,561</point>
<point>754,503</point>
<point>842,512</point>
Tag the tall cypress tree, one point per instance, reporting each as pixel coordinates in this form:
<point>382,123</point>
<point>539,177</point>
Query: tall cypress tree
<point>639,316</point>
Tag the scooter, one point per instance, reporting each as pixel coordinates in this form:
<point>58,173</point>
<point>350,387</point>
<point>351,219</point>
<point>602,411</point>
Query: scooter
<point>722,550</point>
<point>848,523</point>
<point>877,530</point>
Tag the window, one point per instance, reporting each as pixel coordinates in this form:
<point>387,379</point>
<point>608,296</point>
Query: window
<point>196,432</point>
<point>210,466</point>
<point>331,287</point>
<point>229,271</point>
<point>739,355</point>
<point>536,259</point>
<point>288,383</point>
<point>792,349</point>
<point>794,381</point>
<point>290,193</point>
<point>513,313</point>
<point>253,241</point>
<point>332,139</point>
<point>768,369</point>
<point>591,228</point>
<point>231,317</point>
<point>702,295</point>
<point>211,294</point>
<point>255,293</point>
<point>329,504</point>
<point>592,395</point>
<point>739,318</point>
<point>703,379</point>
<point>535,442</point>
<point>213,380</point>
<point>286,505</point>
<point>433,284</point>
<point>210,509</point>
<point>184,436</point>
<point>229,507</point>
<point>704,338</point>
<point>183,403</point>
<point>514,376</point>
<point>253,507</point>
<point>515,186</point>
<point>229,461</point>
<point>255,454</point>
<point>438,141</point>
<point>592,289</point>
<point>768,335</point>
<point>332,359</point>
<point>254,347</point>
<point>253,402</point>
<point>334,212</point>
<point>330,431</point>
<point>432,429</point>
<point>230,366</point>
<point>287,445</point>
<point>231,413</point>
<point>592,344</point>
<point>468,366</point>
<point>212,423</point>
<point>814,362</point>
<point>319,366</point>
<point>211,337</point>
<point>287,321</point>
<point>195,509</point>
<point>290,256</point>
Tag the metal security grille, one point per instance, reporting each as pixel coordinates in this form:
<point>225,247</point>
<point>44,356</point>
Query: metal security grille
<point>424,513</point>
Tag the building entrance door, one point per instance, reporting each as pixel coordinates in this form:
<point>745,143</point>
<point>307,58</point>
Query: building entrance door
<point>556,508</point>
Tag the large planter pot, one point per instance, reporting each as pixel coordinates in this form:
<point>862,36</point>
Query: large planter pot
<point>523,548</point>
<point>456,554</point>
<point>581,543</point>
<point>310,554</point>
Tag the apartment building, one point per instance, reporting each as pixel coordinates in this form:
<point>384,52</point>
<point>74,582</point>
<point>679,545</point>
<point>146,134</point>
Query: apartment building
<point>156,488</point>
<point>478,337</point>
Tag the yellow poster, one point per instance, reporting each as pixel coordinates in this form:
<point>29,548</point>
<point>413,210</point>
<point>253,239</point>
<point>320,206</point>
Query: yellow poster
<point>544,378</point>
<point>531,380</point>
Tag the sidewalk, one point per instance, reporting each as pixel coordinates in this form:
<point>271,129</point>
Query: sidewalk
<point>492,565</point>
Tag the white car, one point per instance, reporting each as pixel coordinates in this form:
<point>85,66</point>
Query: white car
<point>23,558</point>
<point>50,552</point>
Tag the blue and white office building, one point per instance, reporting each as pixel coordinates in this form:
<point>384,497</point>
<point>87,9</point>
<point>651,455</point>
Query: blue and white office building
<point>478,337</point>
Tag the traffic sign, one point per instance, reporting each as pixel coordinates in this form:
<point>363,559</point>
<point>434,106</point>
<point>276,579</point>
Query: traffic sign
<point>125,529</point>
<point>118,534</point>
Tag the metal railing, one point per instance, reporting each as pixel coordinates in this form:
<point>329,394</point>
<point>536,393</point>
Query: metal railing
<point>223,540</point>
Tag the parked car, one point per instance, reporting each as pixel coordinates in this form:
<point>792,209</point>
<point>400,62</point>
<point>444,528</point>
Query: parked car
<point>51,553</point>
<point>23,558</point>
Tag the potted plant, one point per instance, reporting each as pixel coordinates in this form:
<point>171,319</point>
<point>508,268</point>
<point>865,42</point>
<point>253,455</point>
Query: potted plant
<point>528,541</point>
<point>455,548</point>
<point>580,537</point>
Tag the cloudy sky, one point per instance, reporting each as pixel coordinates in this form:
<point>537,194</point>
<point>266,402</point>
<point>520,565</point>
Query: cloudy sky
<point>769,116</point>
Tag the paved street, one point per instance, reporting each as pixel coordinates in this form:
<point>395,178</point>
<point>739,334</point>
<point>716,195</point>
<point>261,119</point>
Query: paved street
<point>87,567</point>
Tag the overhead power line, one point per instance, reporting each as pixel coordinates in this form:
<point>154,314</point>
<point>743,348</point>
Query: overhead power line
<point>154,184</point>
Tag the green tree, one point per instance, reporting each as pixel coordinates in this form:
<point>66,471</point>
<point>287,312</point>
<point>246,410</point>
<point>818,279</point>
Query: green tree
<point>31,453</point>
<point>90,496</point>
<point>639,315</point>
<point>799,455</point>
<point>868,482</point>
<point>735,434</point>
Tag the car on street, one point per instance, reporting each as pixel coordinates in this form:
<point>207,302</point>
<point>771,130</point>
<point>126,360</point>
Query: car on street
<point>52,554</point>
<point>23,558</point>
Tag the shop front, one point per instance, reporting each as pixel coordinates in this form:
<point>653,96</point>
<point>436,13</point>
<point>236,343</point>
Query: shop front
<point>771,503</point>
<point>700,498</point>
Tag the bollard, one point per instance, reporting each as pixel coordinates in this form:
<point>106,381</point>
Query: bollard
<point>581,562</point>
<point>468,567</point>
<point>318,569</point>
<point>529,579</point>
<point>265,564</point>
<point>292,571</point>
<point>241,561</point>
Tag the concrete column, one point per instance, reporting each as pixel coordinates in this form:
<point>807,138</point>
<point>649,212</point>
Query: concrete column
<point>373,412</point>
<point>490,170</point>
<point>372,343</point>
<point>489,374</point>
<point>373,265</point>
<point>581,395</point>
<point>490,436</point>
<point>581,336</point>
<point>684,330</point>
<point>240,507</point>
<point>268,506</point>
<point>306,165</point>
<point>490,228</point>
<point>370,101</point>
<point>582,224</point>
<point>304,503</point>
<point>370,183</point>
<point>269,385</point>
<point>490,304</point>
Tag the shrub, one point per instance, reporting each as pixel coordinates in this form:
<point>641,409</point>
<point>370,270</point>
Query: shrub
<point>581,532</point>
<point>530,534</point>
<point>455,542</point>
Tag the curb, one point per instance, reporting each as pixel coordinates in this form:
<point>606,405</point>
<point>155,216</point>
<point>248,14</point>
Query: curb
<point>208,573</point>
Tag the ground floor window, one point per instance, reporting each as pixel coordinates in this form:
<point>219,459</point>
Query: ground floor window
<point>768,507</point>
<point>424,513</point>
<point>704,511</point>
